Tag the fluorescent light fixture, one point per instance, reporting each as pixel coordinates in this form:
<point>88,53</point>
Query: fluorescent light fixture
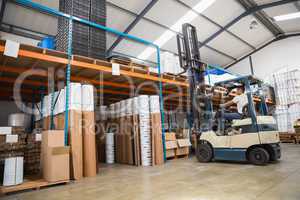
<point>287,17</point>
<point>168,35</point>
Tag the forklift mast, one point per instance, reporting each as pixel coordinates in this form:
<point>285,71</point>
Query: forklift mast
<point>200,109</point>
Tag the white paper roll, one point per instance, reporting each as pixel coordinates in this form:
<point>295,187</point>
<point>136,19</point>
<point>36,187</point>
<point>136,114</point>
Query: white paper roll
<point>123,108</point>
<point>154,104</point>
<point>45,106</point>
<point>135,106</point>
<point>118,109</point>
<point>61,102</point>
<point>129,107</point>
<point>112,110</point>
<point>145,136</point>
<point>103,113</point>
<point>110,148</point>
<point>87,101</point>
<point>75,100</point>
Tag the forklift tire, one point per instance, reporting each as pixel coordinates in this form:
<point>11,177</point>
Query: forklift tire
<point>204,152</point>
<point>259,156</point>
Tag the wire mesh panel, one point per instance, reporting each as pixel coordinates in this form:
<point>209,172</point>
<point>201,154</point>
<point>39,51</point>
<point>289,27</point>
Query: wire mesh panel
<point>287,85</point>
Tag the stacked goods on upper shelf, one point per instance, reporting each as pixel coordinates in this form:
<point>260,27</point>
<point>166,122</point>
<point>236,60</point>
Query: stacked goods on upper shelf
<point>287,86</point>
<point>86,40</point>
<point>97,40</point>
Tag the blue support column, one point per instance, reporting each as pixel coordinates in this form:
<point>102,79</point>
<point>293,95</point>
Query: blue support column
<point>68,77</point>
<point>161,103</point>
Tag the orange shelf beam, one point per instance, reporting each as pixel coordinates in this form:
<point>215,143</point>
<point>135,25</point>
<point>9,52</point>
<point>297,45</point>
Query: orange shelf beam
<point>64,61</point>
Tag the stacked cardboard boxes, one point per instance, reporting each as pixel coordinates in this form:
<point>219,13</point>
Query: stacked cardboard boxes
<point>12,146</point>
<point>176,147</point>
<point>32,155</point>
<point>171,145</point>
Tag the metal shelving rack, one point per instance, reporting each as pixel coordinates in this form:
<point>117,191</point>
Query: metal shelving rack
<point>69,62</point>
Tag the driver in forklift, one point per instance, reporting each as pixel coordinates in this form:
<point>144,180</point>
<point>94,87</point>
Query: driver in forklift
<point>240,100</point>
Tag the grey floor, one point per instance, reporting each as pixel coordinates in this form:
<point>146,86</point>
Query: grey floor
<point>186,179</point>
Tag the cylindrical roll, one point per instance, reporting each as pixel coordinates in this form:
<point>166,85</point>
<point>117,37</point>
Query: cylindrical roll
<point>129,107</point>
<point>154,104</point>
<point>123,108</point>
<point>145,135</point>
<point>118,109</point>
<point>135,106</point>
<point>110,148</point>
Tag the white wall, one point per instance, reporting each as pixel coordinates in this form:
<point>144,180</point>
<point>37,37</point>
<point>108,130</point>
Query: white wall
<point>281,54</point>
<point>31,19</point>
<point>16,38</point>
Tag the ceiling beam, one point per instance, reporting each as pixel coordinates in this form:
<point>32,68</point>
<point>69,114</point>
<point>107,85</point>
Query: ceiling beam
<point>245,14</point>
<point>132,25</point>
<point>215,23</point>
<point>262,17</point>
<point>278,38</point>
<point>167,28</point>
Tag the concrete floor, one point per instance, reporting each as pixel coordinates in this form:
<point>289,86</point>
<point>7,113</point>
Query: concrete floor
<point>186,179</point>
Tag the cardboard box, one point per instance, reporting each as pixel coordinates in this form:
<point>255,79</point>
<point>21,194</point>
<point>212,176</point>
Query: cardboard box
<point>170,153</point>
<point>5,130</point>
<point>75,140</point>
<point>183,147</point>
<point>56,164</point>
<point>170,136</point>
<point>55,157</point>
<point>171,146</point>
<point>53,138</point>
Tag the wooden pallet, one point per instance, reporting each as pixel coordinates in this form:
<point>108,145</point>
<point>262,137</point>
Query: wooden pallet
<point>177,157</point>
<point>34,184</point>
<point>287,138</point>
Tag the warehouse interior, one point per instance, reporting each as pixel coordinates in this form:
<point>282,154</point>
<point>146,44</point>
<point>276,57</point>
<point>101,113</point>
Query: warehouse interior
<point>153,99</point>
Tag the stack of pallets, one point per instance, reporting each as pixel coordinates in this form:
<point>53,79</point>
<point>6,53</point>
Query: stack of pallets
<point>13,149</point>
<point>33,153</point>
<point>86,41</point>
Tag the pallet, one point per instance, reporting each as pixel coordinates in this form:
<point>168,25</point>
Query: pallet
<point>287,138</point>
<point>178,157</point>
<point>29,185</point>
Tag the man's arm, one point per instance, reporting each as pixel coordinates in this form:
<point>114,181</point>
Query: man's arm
<point>227,104</point>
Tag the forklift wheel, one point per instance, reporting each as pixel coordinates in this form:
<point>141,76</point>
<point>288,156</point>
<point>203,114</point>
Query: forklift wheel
<point>259,156</point>
<point>204,152</point>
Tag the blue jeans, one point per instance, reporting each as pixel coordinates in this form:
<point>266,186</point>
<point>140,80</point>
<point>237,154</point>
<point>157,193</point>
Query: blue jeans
<point>232,116</point>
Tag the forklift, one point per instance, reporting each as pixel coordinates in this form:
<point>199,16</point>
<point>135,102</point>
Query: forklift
<point>254,138</point>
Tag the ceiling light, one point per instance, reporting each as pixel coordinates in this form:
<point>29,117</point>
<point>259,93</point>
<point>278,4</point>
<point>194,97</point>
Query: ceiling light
<point>287,17</point>
<point>168,35</point>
